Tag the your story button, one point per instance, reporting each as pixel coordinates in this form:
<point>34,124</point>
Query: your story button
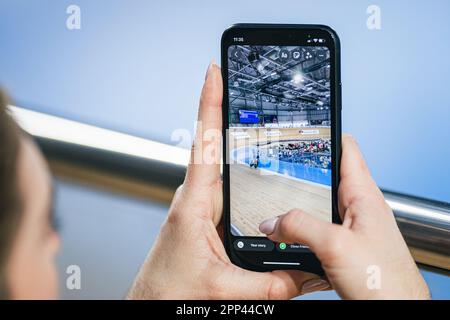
<point>253,245</point>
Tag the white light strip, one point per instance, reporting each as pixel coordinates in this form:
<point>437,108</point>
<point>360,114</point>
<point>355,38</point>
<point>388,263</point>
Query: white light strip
<point>59,129</point>
<point>419,211</point>
<point>283,263</point>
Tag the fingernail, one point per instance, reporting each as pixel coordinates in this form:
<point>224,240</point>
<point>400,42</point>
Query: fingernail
<point>315,285</point>
<point>208,71</point>
<point>268,226</point>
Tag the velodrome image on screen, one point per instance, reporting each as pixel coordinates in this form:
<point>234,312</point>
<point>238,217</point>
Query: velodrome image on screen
<point>279,139</point>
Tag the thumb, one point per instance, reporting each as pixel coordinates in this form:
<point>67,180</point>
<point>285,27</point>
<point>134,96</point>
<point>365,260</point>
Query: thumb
<point>299,227</point>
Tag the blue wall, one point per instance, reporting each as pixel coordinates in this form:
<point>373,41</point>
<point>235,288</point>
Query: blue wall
<point>138,67</point>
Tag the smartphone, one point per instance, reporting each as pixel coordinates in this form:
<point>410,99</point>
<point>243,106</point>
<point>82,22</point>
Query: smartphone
<point>282,137</point>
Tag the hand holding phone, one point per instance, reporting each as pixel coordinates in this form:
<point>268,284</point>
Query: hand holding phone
<point>188,259</point>
<point>365,257</point>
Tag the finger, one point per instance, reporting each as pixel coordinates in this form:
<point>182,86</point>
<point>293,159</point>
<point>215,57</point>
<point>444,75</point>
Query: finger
<point>220,229</point>
<point>352,161</point>
<point>299,227</point>
<point>276,285</point>
<point>356,182</point>
<point>218,204</point>
<point>201,201</point>
<point>204,166</point>
<point>287,284</point>
<point>316,284</point>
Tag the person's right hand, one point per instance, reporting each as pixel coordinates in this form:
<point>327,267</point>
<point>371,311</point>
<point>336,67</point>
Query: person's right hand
<point>367,245</point>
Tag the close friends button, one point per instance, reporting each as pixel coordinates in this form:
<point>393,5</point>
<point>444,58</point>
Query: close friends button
<point>283,247</point>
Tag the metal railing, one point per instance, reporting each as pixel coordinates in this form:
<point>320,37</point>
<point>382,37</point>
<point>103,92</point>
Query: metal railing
<point>150,169</point>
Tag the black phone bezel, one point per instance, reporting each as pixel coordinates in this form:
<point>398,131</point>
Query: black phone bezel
<point>285,35</point>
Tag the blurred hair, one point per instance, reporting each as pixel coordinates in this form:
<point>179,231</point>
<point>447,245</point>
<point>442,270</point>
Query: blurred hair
<point>10,207</point>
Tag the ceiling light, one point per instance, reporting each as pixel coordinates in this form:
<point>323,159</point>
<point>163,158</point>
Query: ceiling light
<point>297,78</point>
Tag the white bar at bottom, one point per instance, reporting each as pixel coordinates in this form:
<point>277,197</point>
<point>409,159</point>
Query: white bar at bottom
<point>285,263</point>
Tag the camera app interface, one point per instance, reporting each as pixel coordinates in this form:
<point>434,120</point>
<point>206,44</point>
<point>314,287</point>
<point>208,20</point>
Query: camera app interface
<point>279,137</point>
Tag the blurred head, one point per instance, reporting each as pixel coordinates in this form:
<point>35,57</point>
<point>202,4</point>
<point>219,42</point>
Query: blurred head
<point>28,241</point>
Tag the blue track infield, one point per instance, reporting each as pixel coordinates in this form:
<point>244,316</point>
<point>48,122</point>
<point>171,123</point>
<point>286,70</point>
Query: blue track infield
<point>290,169</point>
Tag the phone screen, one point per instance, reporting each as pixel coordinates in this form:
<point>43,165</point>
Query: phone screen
<point>279,137</point>
<point>282,127</point>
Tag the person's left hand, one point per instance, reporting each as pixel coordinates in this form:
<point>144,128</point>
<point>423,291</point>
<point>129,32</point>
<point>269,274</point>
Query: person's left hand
<point>188,260</point>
